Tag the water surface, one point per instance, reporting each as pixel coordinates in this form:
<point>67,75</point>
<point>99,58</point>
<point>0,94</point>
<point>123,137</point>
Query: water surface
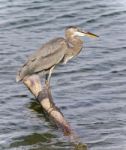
<point>90,90</point>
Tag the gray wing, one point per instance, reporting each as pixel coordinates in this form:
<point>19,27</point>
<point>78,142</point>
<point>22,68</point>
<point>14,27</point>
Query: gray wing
<point>47,56</point>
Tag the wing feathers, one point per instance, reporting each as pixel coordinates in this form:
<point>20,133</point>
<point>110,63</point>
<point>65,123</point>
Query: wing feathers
<point>47,56</point>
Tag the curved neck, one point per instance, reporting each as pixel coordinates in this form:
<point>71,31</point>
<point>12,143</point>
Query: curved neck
<point>75,44</point>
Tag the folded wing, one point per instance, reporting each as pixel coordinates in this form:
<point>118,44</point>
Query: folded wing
<point>43,59</point>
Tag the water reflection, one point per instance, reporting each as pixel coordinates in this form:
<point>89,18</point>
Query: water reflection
<point>43,141</point>
<point>32,139</point>
<point>34,105</point>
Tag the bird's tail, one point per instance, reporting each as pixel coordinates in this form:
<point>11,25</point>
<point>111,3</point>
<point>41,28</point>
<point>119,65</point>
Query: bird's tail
<point>18,78</point>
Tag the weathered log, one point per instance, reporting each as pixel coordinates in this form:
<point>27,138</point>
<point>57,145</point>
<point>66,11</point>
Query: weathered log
<point>43,95</point>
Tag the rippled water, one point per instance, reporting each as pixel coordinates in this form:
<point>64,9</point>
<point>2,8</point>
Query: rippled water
<point>90,90</point>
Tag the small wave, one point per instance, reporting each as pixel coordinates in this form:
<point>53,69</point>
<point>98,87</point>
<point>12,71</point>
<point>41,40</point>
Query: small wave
<point>36,8</point>
<point>117,13</point>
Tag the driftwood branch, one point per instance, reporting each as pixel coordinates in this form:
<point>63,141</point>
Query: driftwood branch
<point>43,95</point>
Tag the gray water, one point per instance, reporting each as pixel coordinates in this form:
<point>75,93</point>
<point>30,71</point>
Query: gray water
<point>90,90</point>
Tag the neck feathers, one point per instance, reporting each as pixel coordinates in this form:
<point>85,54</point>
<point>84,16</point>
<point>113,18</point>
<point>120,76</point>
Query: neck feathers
<point>75,44</point>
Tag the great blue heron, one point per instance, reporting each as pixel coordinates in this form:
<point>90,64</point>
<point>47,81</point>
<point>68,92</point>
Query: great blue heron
<point>56,51</point>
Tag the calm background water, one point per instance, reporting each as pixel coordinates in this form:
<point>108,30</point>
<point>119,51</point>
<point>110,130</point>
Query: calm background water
<point>90,90</point>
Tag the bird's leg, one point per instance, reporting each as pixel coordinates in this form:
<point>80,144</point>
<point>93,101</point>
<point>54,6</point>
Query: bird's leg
<point>48,76</point>
<point>50,73</point>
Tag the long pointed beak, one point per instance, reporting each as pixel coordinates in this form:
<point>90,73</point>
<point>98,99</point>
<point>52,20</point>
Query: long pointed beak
<point>82,33</point>
<point>89,34</point>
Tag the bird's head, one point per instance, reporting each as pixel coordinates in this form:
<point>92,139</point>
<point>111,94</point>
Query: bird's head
<point>73,31</point>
